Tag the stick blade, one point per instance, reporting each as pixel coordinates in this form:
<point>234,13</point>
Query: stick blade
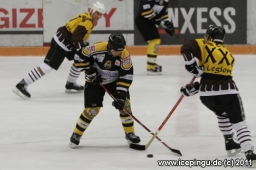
<point>176,151</point>
<point>137,147</point>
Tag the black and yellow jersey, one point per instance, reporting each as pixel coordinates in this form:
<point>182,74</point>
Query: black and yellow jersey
<point>119,69</point>
<point>74,33</point>
<point>217,63</point>
<point>156,10</point>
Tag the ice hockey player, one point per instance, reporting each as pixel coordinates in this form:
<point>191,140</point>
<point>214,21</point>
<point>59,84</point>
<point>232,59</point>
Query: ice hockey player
<point>209,59</point>
<point>108,63</point>
<point>68,40</point>
<point>151,14</point>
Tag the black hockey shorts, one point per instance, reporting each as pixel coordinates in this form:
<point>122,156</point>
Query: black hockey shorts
<point>56,55</point>
<point>94,94</point>
<point>147,28</point>
<point>229,105</point>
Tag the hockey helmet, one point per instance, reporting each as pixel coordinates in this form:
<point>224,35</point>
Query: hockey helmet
<point>97,6</point>
<point>116,42</point>
<point>215,33</point>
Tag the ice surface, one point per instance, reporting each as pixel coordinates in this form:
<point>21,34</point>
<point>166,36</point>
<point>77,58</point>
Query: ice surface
<point>34,134</point>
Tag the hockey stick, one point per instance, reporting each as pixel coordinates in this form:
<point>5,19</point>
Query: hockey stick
<point>166,119</point>
<point>136,146</point>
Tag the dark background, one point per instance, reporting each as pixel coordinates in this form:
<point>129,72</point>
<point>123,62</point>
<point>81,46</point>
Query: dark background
<point>237,37</point>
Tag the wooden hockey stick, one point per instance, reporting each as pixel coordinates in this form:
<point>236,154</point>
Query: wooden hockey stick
<point>166,119</point>
<point>136,146</point>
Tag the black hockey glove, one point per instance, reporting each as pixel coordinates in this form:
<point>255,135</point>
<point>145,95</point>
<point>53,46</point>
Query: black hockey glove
<point>168,26</point>
<point>93,76</point>
<point>86,43</point>
<point>194,69</point>
<point>120,100</point>
<point>190,90</point>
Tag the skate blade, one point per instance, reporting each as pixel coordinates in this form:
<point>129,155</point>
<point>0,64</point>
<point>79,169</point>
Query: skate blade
<point>129,143</point>
<point>235,152</point>
<point>72,145</point>
<point>150,73</point>
<point>73,91</point>
<point>253,165</point>
<point>18,92</point>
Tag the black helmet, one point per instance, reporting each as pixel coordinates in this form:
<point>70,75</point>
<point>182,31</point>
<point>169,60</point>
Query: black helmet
<point>116,42</point>
<point>216,33</point>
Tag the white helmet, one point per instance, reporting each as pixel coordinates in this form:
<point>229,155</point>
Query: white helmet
<point>97,6</point>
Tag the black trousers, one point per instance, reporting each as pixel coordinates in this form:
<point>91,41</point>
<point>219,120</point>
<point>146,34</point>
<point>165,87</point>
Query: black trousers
<point>147,28</point>
<point>56,55</point>
<point>94,94</point>
<point>229,105</point>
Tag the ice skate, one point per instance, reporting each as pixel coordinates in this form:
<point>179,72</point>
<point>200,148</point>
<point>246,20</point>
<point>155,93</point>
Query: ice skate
<point>74,140</point>
<point>156,70</point>
<point>132,138</point>
<point>21,90</point>
<point>74,88</point>
<point>251,157</point>
<point>232,147</point>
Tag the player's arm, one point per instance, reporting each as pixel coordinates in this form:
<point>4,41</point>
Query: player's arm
<point>190,51</point>
<point>146,10</point>
<point>80,31</point>
<point>83,60</point>
<point>124,80</point>
<point>125,73</point>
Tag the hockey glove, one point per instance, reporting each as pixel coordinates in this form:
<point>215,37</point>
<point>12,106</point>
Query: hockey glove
<point>92,75</point>
<point>194,69</point>
<point>120,100</point>
<point>190,90</point>
<point>168,26</point>
<point>86,43</point>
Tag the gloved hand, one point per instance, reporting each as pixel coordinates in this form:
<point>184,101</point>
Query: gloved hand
<point>86,43</point>
<point>120,100</point>
<point>190,90</point>
<point>194,69</point>
<point>93,76</point>
<point>168,26</point>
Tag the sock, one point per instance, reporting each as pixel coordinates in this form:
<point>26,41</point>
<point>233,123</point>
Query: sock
<point>36,73</point>
<point>73,74</point>
<point>225,126</point>
<point>243,135</point>
<point>85,119</point>
<point>152,53</point>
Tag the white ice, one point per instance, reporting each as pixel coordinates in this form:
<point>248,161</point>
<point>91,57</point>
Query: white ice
<point>34,134</point>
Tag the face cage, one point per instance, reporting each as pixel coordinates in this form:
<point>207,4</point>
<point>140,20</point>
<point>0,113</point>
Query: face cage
<point>111,47</point>
<point>207,37</point>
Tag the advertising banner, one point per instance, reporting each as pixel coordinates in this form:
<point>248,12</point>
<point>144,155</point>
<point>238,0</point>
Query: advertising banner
<point>118,17</point>
<point>192,18</point>
<point>21,23</point>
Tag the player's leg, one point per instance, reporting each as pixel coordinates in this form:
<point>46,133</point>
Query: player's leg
<point>217,105</point>
<point>53,60</point>
<point>231,145</point>
<point>150,34</point>
<point>126,120</point>
<point>71,85</point>
<point>237,118</point>
<point>93,98</point>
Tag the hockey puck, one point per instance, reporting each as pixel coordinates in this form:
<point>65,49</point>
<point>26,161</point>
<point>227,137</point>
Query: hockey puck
<point>150,155</point>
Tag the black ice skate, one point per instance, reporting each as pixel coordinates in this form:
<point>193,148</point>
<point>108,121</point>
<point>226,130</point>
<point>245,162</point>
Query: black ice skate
<point>232,147</point>
<point>251,157</point>
<point>21,90</point>
<point>74,140</point>
<point>73,87</point>
<point>132,138</point>
<point>155,71</point>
